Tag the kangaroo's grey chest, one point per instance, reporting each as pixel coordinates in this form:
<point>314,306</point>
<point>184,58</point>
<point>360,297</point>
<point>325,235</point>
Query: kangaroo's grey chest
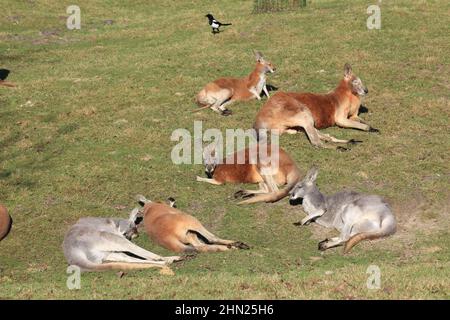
<point>309,207</point>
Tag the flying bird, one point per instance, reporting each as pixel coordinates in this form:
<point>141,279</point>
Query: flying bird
<point>215,25</point>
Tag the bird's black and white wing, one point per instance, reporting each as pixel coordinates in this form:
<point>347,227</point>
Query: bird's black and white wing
<point>215,24</point>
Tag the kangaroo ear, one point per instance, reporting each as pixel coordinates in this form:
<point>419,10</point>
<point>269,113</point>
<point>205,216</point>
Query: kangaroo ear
<point>258,55</point>
<point>312,174</point>
<point>142,200</point>
<point>348,73</point>
<point>209,151</point>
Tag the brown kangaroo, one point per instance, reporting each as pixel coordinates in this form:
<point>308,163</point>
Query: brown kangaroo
<point>180,232</point>
<point>289,111</point>
<point>231,171</point>
<point>5,222</point>
<point>221,92</point>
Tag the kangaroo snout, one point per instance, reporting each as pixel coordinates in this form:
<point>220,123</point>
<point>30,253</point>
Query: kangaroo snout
<point>209,174</point>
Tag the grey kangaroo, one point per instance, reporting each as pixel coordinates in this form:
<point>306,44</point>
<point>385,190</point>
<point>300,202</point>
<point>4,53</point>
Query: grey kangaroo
<point>357,216</point>
<point>97,244</point>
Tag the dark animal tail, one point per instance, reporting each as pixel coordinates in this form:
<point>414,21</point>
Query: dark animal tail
<point>226,24</point>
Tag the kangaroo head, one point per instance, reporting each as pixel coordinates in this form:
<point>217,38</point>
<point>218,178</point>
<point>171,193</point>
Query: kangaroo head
<point>210,159</point>
<point>306,186</point>
<point>129,227</point>
<point>355,84</point>
<point>265,65</point>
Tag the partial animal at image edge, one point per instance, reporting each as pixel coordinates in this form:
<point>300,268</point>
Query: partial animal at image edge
<point>5,223</point>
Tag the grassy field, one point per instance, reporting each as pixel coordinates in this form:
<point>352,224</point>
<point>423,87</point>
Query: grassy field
<point>89,127</point>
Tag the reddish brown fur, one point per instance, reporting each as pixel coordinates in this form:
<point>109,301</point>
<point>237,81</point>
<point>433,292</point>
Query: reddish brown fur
<point>239,86</point>
<point>323,107</point>
<point>257,171</point>
<point>237,173</point>
<point>250,173</point>
<point>177,231</point>
<point>290,111</point>
<point>221,92</point>
<point>5,222</point>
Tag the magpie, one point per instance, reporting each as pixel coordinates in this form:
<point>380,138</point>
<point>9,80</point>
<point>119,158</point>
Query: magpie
<point>215,25</point>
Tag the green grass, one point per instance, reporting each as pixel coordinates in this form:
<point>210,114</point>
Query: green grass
<point>89,127</point>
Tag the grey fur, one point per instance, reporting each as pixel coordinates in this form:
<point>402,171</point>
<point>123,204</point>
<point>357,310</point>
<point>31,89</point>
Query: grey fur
<point>349,212</point>
<point>92,242</point>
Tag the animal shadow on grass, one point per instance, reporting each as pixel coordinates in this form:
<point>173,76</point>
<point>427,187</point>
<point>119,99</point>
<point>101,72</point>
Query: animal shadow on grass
<point>270,88</point>
<point>4,74</point>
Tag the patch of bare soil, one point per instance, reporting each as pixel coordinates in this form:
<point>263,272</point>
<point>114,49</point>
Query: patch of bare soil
<point>413,215</point>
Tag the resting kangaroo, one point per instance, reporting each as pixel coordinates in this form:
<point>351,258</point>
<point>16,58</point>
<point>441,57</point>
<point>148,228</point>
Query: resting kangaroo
<point>221,92</point>
<point>231,171</point>
<point>98,244</point>
<point>180,232</point>
<point>357,216</point>
<point>289,111</point>
<point>5,222</point>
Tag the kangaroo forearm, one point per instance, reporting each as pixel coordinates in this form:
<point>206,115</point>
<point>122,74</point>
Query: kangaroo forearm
<point>348,123</point>
<point>256,94</point>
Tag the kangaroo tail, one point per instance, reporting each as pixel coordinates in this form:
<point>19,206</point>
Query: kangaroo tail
<point>388,227</point>
<point>202,108</point>
<point>292,179</point>
<point>118,266</point>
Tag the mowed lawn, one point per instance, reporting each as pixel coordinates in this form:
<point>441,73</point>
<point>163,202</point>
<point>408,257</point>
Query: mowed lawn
<point>89,127</point>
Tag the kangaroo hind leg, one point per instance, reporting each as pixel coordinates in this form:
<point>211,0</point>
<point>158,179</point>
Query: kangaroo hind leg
<point>124,257</point>
<point>331,243</point>
<point>213,239</point>
<point>329,138</point>
<point>263,188</point>
<point>222,99</point>
<point>202,244</point>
